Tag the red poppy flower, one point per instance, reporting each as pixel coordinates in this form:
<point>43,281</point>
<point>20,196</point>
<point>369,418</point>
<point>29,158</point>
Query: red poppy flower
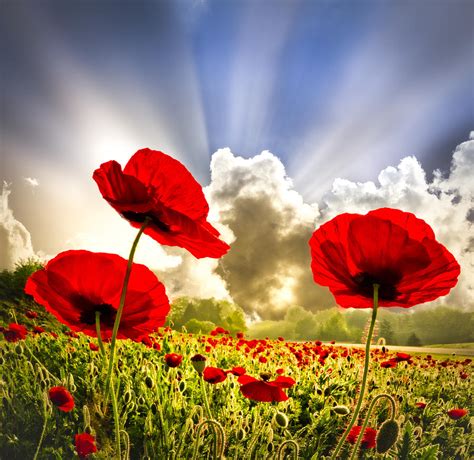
<point>173,359</point>
<point>38,330</point>
<point>214,375</point>
<point>420,405</point>
<point>76,284</point>
<point>61,398</point>
<point>389,363</point>
<point>15,332</point>
<point>389,247</point>
<point>368,440</point>
<point>457,413</point>
<point>85,444</point>
<point>237,371</point>
<point>153,185</point>
<point>31,314</point>
<point>403,357</point>
<point>264,391</point>
<point>93,346</point>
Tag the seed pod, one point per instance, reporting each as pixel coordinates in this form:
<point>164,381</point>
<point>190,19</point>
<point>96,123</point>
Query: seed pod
<point>127,396</point>
<point>241,434</point>
<point>149,381</point>
<point>387,436</point>
<point>341,410</point>
<point>281,419</point>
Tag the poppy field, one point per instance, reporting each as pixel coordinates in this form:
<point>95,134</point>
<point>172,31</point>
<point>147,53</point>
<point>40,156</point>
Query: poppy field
<point>111,382</point>
<point>163,411</point>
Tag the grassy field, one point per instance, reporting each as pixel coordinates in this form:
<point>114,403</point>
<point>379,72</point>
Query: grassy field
<point>163,413</point>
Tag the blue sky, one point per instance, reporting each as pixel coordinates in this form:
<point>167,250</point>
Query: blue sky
<point>333,88</point>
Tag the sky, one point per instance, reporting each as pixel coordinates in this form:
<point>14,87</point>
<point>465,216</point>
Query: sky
<point>289,111</point>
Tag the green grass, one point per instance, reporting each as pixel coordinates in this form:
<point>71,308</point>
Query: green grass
<point>162,408</point>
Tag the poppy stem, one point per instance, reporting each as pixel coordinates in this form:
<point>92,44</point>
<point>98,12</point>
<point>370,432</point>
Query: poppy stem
<point>128,271</point>
<point>367,417</point>
<point>364,377</point>
<point>206,400</point>
<point>114,397</point>
<point>46,418</point>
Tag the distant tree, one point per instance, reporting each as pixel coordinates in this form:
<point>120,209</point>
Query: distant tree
<point>386,331</point>
<point>414,341</point>
<point>219,312</point>
<point>195,326</point>
<point>12,282</point>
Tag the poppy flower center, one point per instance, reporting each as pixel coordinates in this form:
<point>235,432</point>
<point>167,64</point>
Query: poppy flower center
<point>386,279</point>
<point>140,217</point>
<point>107,314</point>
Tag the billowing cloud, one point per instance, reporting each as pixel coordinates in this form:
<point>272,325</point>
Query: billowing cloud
<point>267,268</point>
<point>15,240</point>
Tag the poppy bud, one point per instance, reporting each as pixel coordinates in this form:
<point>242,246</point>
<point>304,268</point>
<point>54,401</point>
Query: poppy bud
<point>341,410</point>
<point>149,381</point>
<point>19,349</point>
<point>199,363</point>
<point>154,409</point>
<point>387,436</point>
<point>182,386</point>
<point>281,419</point>
<point>270,447</point>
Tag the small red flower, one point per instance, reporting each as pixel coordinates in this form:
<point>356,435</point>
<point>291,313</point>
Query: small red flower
<point>155,186</point>
<point>85,444</point>
<point>421,405</point>
<point>368,440</point>
<point>15,332</point>
<point>403,357</point>
<point>31,314</point>
<point>76,284</point>
<point>93,346</point>
<point>173,359</point>
<point>61,398</point>
<point>262,359</point>
<point>389,363</point>
<point>38,330</point>
<point>214,375</point>
<point>264,391</point>
<point>456,414</point>
<point>388,247</point>
<point>237,371</point>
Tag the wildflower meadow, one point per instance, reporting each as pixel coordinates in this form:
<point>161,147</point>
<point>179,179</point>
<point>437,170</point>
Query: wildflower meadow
<point>89,369</point>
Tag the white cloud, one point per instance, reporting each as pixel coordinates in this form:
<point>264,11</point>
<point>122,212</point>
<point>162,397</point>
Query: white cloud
<point>32,181</point>
<point>267,268</point>
<point>15,240</point>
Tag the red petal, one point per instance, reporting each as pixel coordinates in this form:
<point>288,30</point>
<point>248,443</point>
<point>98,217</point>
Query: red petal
<point>171,182</point>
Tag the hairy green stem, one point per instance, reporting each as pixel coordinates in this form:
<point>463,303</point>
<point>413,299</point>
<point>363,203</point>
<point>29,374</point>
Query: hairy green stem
<point>364,377</point>
<point>367,417</point>
<point>43,431</point>
<point>206,400</point>
<point>219,438</point>
<point>114,398</point>
<point>121,305</point>
<point>284,445</point>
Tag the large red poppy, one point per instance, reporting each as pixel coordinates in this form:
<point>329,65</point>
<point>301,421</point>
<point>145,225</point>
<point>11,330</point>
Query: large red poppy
<point>156,186</point>
<point>76,284</point>
<point>264,391</point>
<point>389,247</point>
